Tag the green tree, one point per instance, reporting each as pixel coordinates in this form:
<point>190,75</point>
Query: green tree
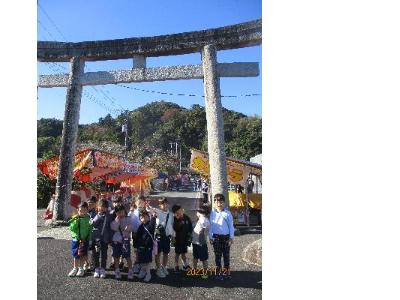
<point>247,139</point>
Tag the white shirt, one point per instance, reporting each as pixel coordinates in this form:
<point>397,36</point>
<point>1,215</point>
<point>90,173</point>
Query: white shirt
<point>221,223</point>
<point>201,224</point>
<point>135,220</point>
<point>162,218</point>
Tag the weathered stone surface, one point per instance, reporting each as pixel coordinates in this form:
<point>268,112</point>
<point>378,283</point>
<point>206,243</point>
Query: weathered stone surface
<point>215,123</point>
<point>68,139</point>
<point>139,61</point>
<point>252,254</point>
<point>229,37</point>
<point>241,69</point>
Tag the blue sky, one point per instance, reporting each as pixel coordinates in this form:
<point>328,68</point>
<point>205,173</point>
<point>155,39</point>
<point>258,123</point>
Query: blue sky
<point>98,20</point>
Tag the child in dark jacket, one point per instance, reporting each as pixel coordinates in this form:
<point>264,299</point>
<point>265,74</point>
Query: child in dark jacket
<point>101,237</point>
<point>144,244</point>
<point>183,234</point>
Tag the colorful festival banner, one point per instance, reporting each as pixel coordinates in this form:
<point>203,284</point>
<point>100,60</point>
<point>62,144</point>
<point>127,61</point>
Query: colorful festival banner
<point>83,159</point>
<point>91,164</point>
<point>237,170</point>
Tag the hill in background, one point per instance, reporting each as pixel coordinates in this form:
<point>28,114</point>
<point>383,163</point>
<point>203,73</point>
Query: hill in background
<point>152,127</point>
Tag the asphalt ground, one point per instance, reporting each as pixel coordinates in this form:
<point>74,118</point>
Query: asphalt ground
<point>54,263</point>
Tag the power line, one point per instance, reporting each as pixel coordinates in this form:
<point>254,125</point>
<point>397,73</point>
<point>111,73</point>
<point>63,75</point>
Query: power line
<point>185,95</point>
<point>52,22</point>
<point>48,32</point>
<point>98,90</point>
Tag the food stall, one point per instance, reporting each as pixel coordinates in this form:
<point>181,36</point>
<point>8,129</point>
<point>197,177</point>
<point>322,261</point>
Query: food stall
<point>245,207</point>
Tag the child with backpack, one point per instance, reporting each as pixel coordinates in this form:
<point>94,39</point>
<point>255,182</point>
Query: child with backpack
<point>146,244</point>
<point>164,232</point>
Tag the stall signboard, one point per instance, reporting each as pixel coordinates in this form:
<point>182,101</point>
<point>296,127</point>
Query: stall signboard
<point>237,171</point>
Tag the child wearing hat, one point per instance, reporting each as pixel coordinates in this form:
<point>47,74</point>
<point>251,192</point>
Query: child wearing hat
<point>183,230</point>
<point>199,241</point>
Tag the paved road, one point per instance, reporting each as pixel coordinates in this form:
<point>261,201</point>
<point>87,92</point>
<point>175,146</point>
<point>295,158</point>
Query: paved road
<point>54,262</point>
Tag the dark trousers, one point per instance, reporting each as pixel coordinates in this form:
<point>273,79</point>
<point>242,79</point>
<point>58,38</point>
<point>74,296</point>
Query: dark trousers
<point>205,197</point>
<point>221,248</point>
<point>100,253</point>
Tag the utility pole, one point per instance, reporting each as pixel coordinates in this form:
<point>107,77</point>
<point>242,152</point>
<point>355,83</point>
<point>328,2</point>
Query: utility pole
<point>171,144</point>
<point>180,157</point>
<point>125,129</point>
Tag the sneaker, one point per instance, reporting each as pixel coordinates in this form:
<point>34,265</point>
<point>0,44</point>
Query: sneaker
<point>219,277</point>
<point>227,277</point>
<point>205,276</point>
<point>73,272</point>
<point>96,273</point>
<point>81,272</point>
<point>102,273</point>
<point>88,267</point>
<point>117,274</point>
<point>130,274</point>
<point>141,274</point>
<point>147,278</point>
<point>160,273</point>
<point>165,271</point>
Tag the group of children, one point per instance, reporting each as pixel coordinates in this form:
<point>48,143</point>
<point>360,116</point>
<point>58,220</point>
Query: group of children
<point>150,232</point>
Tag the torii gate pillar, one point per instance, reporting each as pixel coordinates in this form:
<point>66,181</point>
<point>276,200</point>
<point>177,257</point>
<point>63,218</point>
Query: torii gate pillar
<point>215,123</point>
<point>68,139</point>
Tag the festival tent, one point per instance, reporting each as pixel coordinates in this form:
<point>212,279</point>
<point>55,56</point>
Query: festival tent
<point>91,165</point>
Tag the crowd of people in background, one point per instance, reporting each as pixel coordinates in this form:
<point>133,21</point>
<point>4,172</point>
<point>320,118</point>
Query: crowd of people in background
<point>181,182</point>
<point>139,234</point>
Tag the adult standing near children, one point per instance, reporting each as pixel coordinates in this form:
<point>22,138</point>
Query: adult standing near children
<point>221,235</point>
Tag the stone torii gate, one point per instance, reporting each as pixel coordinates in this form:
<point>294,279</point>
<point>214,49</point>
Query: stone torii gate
<point>207,42</point>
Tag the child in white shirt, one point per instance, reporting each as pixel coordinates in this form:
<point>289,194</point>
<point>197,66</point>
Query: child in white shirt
<point>199,241</point>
